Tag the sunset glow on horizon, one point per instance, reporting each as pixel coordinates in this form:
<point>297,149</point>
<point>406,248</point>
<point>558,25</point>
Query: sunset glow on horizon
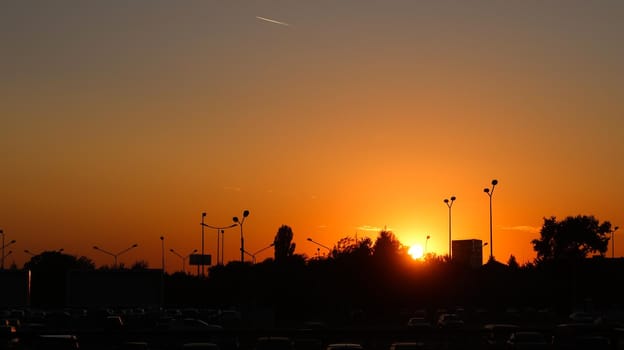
<point>123,122</point>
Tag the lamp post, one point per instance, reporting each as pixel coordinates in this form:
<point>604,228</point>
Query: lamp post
<point>113,254</point>
<point>3,248</point>
<point>426,240</point>
<point>320,245</point>
<point>220,230</point>
<point>162,252</point>
<point>183,258</point>
<point>242,240</point>
<point>253,256</point>
<point>202,244</point>
<point>449,204</point>
<point>7,254</point>
<point>613,242</point>
<point>490,192</point>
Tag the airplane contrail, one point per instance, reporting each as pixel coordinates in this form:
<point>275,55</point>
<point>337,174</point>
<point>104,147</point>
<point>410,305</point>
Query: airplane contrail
<point>272,21</point>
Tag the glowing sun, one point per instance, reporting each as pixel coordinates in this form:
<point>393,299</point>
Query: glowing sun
<point>416,251</point>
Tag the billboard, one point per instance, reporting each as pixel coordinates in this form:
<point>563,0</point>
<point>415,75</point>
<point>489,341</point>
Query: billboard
<point>198,259</point>
<point>468,252</point>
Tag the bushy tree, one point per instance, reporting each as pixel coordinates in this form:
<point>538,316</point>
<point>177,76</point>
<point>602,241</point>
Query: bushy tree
<point>49,270</point>
<point>387,246</point>
<point>573,238</point>
<point>284,247</point>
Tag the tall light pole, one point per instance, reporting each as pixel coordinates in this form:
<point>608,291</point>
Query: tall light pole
<point>117,254</point>
<point>613,242</point>
<point>162,252</point>
<point>3,248</point>
<point>202,244</point>
<point>35,254</point>
<point>222,231</point>
<point>253,256</point>
<point>426,240</point>
<point>449,204</point>
<point>2,263</point>
<point>240,223</point>
<point>320,245</point>
<point>183,257</point>
<point>490,192</point>
<point>7,254</point>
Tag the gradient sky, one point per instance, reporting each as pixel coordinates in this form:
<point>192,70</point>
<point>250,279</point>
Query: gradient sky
<point>123,120</point>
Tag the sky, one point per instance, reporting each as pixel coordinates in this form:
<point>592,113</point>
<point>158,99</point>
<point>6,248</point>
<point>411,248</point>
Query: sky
<point>123,121</point>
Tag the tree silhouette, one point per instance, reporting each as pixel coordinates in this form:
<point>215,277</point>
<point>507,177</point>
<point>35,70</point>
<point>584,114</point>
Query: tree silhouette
<point>573,238</point>
<point>284,248</point>
<point>512,262</point>
<point>49,270</point>
<point>387,246</point>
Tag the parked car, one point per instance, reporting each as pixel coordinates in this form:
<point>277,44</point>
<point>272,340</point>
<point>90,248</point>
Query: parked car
<point>273,343</point>
<point>407,346</point>
<point>527,340</point>
<point>200,346</point>
<point>55,342</point>
<point>418,323</point>
<point>344,346</point>
<point>497,334</point>
<point>449,321</point>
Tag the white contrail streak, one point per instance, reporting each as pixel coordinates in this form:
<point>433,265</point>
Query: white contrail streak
<point>272,21</point>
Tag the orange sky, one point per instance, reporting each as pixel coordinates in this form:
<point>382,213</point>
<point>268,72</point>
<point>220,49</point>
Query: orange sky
<point>122,122</point>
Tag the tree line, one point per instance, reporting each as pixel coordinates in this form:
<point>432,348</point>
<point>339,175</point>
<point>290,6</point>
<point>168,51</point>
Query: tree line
<point>378,277</point>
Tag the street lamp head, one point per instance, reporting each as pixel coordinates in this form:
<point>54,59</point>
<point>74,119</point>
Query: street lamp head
<point>484,244</point>
<point>246,213</point>
<point>486,190</point>
<point>12,241</point>
<point>428,236</point>
<point>453,198</point>
<point>203,214</point>
<point>235,219</point>
<point>494,182</point>
<point>162,238</point>
<point>135,245</point>
<point>194,250</point>
<point>446,200</point>
<point>615,228</point>
<point>95,247</point>
<point>171,250</point>
<point>309,239</point>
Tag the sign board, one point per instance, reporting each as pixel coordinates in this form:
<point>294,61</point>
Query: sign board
<point>198,259</point>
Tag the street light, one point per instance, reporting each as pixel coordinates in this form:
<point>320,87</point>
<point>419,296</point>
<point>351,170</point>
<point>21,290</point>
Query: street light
<point>4,246</point>
<point>113,254</point>
<point>426,240</point>
<point>613,242</point>
<point>7,254</point>
<point>319,244</point>
<point>240,223</point>
<point>183,257</point>
<point>253,256</point>
<point>449,204</point>
<point>35,254</point>
<point>202,245</point>
<point>162,252</point>
<point>490,192</point>
<point>220,230</point>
